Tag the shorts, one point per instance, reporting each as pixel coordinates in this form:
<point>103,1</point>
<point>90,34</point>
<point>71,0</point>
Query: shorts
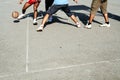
<point>102,4</point>
<point>64,8</point>
<point>33,1</point>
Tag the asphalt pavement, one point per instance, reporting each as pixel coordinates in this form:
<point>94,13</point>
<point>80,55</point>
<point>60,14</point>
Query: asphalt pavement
<point>62,51</point>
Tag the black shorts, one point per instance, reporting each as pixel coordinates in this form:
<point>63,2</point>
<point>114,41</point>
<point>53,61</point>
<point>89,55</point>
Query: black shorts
<point>55,8</point>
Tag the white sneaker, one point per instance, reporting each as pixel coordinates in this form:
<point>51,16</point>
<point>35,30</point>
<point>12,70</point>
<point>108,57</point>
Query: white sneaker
<point>50,19</point>
<point>105,25</point>
<point>34,22</point>
<point>88,26</point>
<point>78,25</point>
<point>21,16</point>
<point>40,28</point>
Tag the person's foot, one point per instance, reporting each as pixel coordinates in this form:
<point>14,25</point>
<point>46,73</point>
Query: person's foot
<point>40,28</point>
<point>50,19</point>
<point>105,25</point>
<point>34,22</point>
<point>21,16</point>
<point>88,26</point>
<point>78,25</point>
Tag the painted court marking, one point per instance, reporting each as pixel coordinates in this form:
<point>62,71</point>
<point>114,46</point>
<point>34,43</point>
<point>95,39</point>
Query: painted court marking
<point>57,68</point>
<point>27,45</point>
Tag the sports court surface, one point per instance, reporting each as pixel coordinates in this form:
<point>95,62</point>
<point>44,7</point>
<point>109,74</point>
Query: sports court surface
<point>61,51</point>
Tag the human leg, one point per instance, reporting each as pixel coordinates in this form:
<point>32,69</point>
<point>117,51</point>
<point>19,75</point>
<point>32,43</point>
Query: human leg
<point>106,24</point>
<point>26,5</point>
<point>94,7</point>
<point>51,11</point>
<point>76,21</point>
<point>40,28</point>
<point>35,9</point>
<point>88,25</point>
<point>106,17</point>
<point>103,8</point>
<point>48,4</point>
<point>35,13</point>
<point>66,9</point>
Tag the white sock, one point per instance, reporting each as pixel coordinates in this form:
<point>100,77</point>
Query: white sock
<point>35,19</point>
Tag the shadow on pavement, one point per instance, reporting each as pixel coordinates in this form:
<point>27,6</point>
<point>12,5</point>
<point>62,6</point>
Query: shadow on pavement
<point>84,17</point>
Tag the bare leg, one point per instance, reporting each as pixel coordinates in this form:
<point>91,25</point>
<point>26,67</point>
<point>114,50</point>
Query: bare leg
<point>88,25</point>
<point>91,18</point>
<point>35,13</point>
<point>26,5</point>
<point>35,9</point>
<point>48,4</point>
<point>107,24</point>
<point>43,22</point>
<point>106,17</point>
<point>45,19</point>
<point>75,20</point>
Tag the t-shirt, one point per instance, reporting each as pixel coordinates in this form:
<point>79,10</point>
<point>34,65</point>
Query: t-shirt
<point>60,2</point>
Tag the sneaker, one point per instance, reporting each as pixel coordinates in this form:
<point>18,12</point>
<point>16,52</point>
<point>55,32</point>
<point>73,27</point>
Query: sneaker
<point>21,16</point>
<point>40,28</point>
<point>78,25</point>
<point>105,25</point>
<point>50,19</point>
<point>88,26</point>
<point>34,22</point>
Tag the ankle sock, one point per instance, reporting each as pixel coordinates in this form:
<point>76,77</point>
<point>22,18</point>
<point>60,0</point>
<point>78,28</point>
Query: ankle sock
<point>89,23</point>
<point>107,22</point>
<point>35,19</point>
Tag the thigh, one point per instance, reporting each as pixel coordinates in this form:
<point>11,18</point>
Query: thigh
<point>26,5</point>
<point>67,10</point>
<point>103,6</point>
<point>95,5</point>
<point>53,9</point>
<point>36,4</point>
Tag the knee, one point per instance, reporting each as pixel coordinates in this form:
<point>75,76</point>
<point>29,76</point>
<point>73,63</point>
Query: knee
<point>35,10</point>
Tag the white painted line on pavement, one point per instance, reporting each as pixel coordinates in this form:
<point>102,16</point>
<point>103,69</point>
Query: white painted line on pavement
<point>58,68</point>
<point>72,66</point>
<point>27,46</point>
